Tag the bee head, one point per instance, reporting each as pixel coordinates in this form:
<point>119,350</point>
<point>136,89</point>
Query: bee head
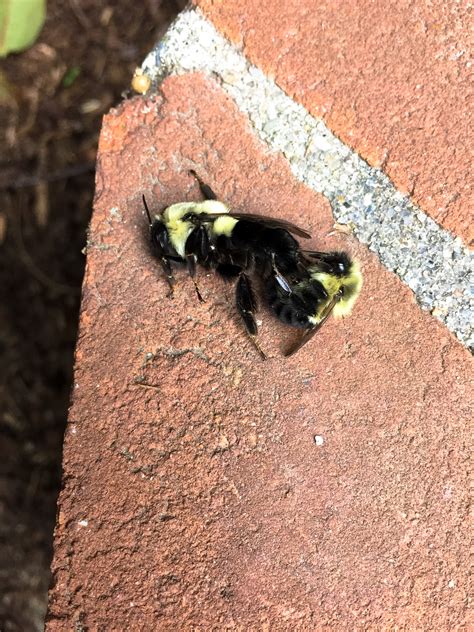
<point>337,264</point>
<point>341,278</point>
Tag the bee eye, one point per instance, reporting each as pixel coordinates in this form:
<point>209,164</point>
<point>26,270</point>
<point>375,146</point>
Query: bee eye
<point>341,267</point>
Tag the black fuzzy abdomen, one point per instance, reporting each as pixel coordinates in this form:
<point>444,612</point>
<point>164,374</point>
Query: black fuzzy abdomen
<point>296,308</point>
<point>283,307</point>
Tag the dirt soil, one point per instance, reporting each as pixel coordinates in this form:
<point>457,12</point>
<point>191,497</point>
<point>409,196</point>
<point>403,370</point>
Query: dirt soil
<point>52,98</point>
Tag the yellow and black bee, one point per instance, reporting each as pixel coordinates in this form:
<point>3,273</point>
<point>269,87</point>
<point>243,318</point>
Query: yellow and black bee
<point>325,283</point>
<point>301,287</point>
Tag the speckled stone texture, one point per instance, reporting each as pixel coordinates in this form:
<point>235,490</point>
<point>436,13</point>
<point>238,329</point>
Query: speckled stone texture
<point>392,81</point>
<point>205,489</point>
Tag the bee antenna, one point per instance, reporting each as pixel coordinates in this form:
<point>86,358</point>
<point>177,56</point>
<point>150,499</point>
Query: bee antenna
<point>147,210</point>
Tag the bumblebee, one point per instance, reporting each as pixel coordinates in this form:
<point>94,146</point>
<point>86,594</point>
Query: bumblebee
<point>301,287</point>
<point>325,284</point>
<point>236,245</point>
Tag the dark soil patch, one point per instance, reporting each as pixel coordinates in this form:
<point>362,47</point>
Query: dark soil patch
<point>49,125</point>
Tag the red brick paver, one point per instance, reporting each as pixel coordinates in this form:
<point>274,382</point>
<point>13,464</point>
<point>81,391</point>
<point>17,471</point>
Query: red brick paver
<point>392,80</point>
<point>195,496</point>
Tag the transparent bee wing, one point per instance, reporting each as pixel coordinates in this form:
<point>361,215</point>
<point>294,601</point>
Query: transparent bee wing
<point>271,222</point>
<point>309,333</point>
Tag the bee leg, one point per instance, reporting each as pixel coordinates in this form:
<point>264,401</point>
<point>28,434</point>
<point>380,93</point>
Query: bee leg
<point>161,248</point>
<point>199,245</point>
<point>191,266</point>
<point>247,305</point>
<point>279,278</point>
<point>165,264</point>
<point>197,249</point>
<point>207,192</point>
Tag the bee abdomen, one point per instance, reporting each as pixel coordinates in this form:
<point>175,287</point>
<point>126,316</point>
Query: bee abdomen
<point>299,306</point>
<point>284,308</point>
<point>289,315</point>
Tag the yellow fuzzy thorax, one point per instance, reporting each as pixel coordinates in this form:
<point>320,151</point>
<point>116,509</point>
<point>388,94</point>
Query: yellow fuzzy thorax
<point>224,226</point>
<point>351,283</point>
<point>179,230</point>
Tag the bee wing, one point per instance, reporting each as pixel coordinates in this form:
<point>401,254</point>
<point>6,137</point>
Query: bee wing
<point>309,333</point>
<point>271,222</point>
<point>313,254</point>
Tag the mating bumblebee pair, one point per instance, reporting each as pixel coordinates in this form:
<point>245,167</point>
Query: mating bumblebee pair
<point>301,287</point>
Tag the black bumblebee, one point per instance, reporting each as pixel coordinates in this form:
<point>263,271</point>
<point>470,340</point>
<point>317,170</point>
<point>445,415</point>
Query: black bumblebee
<point>325,283</point>
<point>301,287</point>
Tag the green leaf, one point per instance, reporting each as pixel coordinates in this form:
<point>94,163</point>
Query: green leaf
<point>20,24</point>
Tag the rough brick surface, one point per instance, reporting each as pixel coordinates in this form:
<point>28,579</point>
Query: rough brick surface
<point>394,83</point>
<point>195,496</point>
